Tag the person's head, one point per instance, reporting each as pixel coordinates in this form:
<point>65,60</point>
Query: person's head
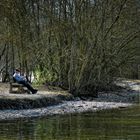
<point>17,70</point>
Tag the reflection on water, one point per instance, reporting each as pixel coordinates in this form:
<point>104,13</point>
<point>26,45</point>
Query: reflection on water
<point>122,124</point>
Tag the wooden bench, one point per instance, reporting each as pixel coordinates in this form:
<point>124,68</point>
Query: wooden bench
<point>18,88</point>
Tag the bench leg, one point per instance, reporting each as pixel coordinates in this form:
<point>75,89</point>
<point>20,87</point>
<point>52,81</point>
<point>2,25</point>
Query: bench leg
<point>10,90</point>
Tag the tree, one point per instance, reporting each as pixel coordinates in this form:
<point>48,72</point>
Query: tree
<point>80,45</point>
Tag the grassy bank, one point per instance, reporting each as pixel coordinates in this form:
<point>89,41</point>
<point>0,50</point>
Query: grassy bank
<point>28,103</point>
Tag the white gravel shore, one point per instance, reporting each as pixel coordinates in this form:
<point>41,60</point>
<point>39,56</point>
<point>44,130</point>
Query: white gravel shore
<point>66,107</point>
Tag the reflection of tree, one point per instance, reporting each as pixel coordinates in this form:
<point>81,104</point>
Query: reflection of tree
<point>109,124</point>
<point>19,129</point>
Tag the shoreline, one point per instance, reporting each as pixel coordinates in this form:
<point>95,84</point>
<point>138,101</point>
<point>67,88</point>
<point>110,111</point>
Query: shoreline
<point>67,107</point>
<point>60,103</point>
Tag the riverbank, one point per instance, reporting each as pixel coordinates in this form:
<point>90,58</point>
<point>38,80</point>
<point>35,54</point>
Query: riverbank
<point>43,98</point>
<point>67,107</point>
<point>47,103</point>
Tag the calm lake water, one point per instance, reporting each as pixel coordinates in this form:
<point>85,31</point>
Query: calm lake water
<point>120,124</point>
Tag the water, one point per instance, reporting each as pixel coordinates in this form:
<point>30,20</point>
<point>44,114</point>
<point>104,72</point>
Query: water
<point>121,124</point>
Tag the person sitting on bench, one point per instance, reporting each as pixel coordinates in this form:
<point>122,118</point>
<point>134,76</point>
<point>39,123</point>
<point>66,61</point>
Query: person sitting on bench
<point>22,80</point>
